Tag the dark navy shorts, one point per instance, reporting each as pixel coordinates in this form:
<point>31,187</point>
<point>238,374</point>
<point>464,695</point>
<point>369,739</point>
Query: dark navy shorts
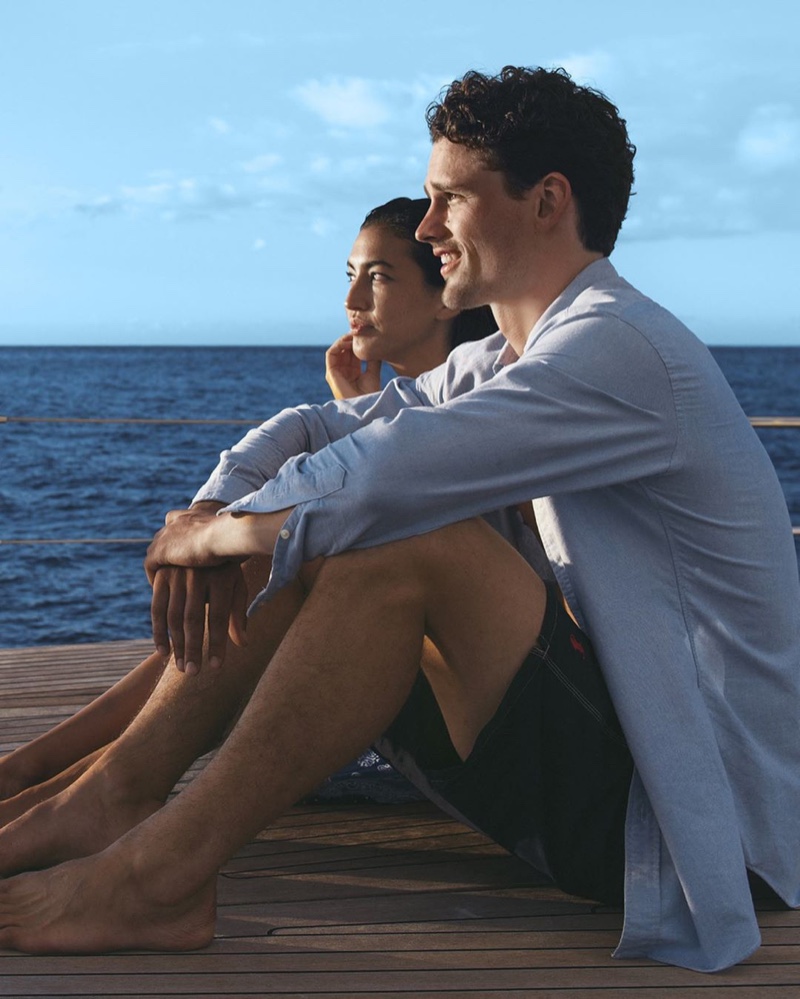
<point>549,775</point>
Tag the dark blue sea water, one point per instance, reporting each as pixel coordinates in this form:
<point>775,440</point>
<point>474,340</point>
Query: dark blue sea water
<point>65,480</point>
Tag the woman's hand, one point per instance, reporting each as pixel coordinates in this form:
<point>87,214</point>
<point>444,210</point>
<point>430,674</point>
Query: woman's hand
<point>344,373</point>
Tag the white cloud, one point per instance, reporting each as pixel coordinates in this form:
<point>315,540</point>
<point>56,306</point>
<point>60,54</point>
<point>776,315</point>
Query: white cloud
<point>349,103</point>
<point>258,164</point>
<point>185,200</point>
<point>167,46</point>
<point>587,67</point>
<point>259,244</point>
<point>249,40</point>
<point>219,125</point>
<point>320,165</point>
<point>771,139</point>
<point>323,227</point>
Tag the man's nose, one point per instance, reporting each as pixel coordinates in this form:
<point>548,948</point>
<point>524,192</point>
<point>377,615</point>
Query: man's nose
<point>432,226</point>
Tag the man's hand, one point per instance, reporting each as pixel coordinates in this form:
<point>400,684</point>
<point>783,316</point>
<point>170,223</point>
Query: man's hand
<point>344,374</point>
<point>193,563</point>
<point>187,539</point>
<point>178,611</point>
<point>187,577</point>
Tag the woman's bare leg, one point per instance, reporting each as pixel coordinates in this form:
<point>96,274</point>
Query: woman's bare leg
<point>78,737</point>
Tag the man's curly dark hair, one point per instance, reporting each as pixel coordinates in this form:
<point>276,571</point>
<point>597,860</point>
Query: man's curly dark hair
<point>531,122</point>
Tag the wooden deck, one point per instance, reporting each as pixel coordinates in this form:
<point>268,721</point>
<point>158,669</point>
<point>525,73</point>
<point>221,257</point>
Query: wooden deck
<point>384,901</point>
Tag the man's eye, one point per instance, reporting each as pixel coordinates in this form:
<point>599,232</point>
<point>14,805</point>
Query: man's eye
<point>377,276</point>
<point>350,277</point>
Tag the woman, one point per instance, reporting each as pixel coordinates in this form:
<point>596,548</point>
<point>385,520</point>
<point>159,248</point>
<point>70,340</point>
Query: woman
<point>394,306</point>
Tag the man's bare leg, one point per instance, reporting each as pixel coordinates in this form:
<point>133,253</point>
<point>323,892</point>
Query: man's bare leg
<point>184,717</point>
<point>338,679</point>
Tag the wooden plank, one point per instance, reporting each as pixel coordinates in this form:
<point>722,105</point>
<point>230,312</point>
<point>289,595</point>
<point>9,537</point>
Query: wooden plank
<point>368,900</point>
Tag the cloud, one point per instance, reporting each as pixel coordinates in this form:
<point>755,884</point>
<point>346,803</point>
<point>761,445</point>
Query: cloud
<point>587,67</point>
<point>219,125</point>
<point>347,103</point>
<point>259,244</point>
<point>167,46</point>
<point>99,207</point>
<point>770,140</point>
<point>185,200</point>
<point>250,40</point>
<point>260,164</point>
<point>323,227</point>
<point>353,103</point>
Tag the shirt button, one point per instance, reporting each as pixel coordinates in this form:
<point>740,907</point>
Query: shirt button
<point>286,534</point>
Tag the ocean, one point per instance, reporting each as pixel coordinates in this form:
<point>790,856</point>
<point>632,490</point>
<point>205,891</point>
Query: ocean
<point>65,480</point>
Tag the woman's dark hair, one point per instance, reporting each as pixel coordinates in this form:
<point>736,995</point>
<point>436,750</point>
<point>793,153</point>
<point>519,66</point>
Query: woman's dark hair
<point>531,122</point>
<point>402,217</point>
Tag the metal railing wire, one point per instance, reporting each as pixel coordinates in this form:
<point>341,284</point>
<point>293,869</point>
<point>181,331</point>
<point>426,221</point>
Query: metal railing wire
<point>756,421</point>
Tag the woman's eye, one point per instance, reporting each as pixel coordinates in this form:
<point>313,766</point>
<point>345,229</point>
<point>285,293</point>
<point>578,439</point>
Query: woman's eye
<point>350,277</point>
<point>376,276</point>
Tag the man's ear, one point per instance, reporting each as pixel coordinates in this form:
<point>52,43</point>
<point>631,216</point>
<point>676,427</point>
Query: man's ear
<point>554,196</point>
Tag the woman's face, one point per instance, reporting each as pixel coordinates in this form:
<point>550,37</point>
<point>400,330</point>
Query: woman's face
<point>395,316</point>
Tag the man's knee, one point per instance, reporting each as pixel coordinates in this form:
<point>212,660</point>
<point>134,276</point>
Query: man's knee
<point>412,564</point>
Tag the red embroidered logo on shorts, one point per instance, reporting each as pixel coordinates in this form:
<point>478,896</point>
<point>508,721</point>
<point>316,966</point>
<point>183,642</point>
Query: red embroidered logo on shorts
<point>577,645</point>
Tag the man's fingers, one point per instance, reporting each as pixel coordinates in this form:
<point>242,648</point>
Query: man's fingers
<point>177,600</point>
<point>194,620</point>
<point>219,604</point>
<point>158,613</point>
<point>237,623</point>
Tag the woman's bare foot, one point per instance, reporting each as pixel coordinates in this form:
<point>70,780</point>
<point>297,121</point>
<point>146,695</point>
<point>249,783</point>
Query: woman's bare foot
<point>97,904</point>
<point>16,775</point>
<point>23,801</point>
<point>80,820</point>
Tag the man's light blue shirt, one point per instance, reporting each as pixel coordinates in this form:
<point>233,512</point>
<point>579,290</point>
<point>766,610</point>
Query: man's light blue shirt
<point>667,530</point>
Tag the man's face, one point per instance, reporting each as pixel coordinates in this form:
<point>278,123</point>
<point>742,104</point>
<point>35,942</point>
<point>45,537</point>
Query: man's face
<point>478,231</point>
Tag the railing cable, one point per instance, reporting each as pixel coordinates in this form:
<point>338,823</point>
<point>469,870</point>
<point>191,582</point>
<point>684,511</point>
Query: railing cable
<point>122,419</point>
<point>756,421</point>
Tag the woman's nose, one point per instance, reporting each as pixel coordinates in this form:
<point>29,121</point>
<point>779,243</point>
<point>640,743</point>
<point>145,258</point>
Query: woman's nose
<point>358,297</point>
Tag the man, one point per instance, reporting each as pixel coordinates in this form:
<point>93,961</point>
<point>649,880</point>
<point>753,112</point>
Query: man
<point>664,526</point>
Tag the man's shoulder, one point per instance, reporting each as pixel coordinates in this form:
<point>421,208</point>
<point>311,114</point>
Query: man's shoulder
<point>602,304</point>
<point>468,365</point>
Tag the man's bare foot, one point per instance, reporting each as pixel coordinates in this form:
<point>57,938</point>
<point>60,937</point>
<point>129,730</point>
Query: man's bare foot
<point>24,800</point>
<point>95,905</point>
<point>83,819</point>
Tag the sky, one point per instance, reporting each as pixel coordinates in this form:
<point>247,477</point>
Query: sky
<point>195,171</point>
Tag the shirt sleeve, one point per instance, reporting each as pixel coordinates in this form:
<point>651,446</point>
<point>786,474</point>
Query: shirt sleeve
<point>263,451</point>
<point>562,418</point>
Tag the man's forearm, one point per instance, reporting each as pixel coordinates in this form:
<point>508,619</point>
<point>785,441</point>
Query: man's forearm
<point>240,535</point>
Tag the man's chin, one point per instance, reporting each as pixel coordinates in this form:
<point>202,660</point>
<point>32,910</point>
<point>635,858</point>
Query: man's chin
<point>461,297</point>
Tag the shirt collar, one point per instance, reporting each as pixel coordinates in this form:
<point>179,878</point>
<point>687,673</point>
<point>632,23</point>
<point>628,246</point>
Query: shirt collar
<point>599,271</point>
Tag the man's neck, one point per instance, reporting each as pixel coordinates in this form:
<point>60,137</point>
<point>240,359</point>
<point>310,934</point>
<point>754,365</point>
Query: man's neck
<point>516,318</point>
